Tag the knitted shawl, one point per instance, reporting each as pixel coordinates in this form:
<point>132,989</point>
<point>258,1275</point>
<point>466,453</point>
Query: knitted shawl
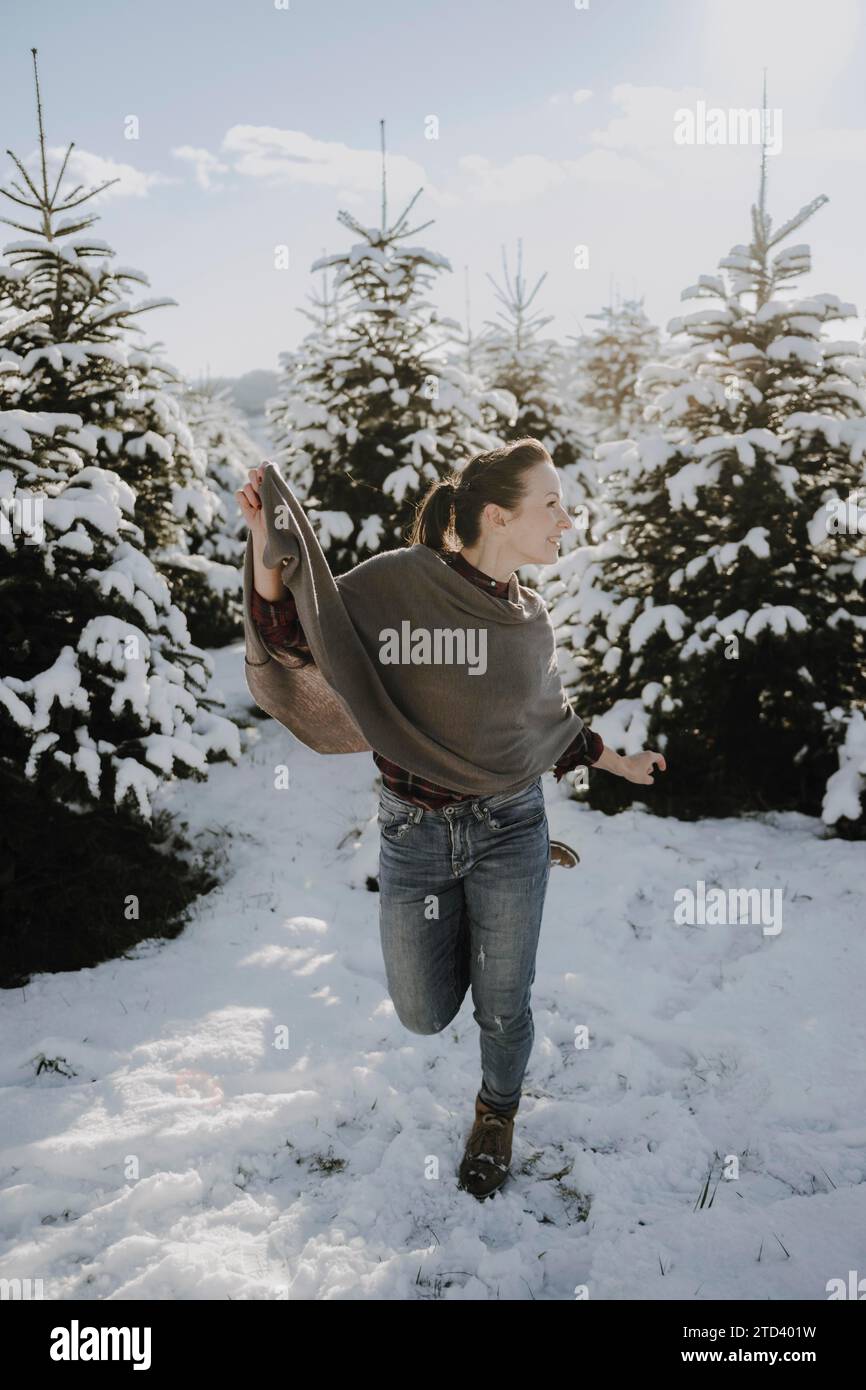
<point>410,659</point>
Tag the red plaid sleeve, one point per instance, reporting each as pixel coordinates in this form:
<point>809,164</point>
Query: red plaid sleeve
<point>586,749</point>
<point>279,627</point>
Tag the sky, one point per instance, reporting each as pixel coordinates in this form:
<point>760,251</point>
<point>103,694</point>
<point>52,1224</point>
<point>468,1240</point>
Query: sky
<point>236,129</point>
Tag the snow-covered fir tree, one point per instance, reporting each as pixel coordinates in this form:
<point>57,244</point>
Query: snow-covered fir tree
<point>222,445</point>
<point>721,616</point>
<point>103,697</point>
<point>301,404</point>
<point>466,348</point>
<point>514,354</point>
<point>81,357</point>
<point>611,359</point>
<point>373,411</point>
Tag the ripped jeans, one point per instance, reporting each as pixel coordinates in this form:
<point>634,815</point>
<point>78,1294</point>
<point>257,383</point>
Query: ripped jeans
<point>462,893</point>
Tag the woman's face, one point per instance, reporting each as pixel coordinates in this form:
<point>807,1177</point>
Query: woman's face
<point>530,533</point>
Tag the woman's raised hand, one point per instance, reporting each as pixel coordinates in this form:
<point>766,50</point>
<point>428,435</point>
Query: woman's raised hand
<point>266,579</point>
<point>250,502</point>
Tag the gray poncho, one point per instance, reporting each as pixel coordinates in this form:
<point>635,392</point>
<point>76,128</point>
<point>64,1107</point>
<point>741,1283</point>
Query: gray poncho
<point>409,659</point>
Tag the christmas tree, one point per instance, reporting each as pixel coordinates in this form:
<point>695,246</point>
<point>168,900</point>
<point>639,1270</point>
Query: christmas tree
<point>298,415</point>
<point>611,360</point>
<point>81,357</point>
<point>225,452</point>
<point>103,697</point>
<point>515,356</point>
<point>371,410</point>
<point>721,615</point>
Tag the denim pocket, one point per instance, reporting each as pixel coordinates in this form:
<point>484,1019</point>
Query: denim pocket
<point>520,812</point>
<point>393,825</point>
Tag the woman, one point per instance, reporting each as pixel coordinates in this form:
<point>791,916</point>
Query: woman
<point>464,860</point>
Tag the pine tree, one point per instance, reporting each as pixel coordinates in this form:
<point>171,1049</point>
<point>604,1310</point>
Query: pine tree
<point>298,414</point>
<point>721,615</point>
<point>612,357</point>
<point>468,350</point>
<point>372,411</point>
<point>103,698</point>
<point>81,357</point>
<point>102,695</point>
<point>224,450</point>
<point>515,356</point>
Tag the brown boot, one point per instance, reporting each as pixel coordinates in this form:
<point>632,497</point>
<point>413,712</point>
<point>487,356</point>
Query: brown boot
<point>488,1150</point>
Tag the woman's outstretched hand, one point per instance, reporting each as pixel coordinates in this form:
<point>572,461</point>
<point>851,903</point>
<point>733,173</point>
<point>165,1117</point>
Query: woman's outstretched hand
<point>638,767</point>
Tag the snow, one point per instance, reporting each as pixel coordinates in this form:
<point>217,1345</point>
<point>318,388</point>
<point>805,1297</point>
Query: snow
<point>847,785</point>
<point>222,579</point>
<point>191,1155</point>
<point>18,712</point>
<point>133,777</point>
<point>16,427</point>
<point>714,283</point>
<point>685,485</point>
<point>797,349</point>
<point>131,570</point>
<point>777,618</point>
<point>743,444</point>
<point>850,434</point>
<point>195,501</point>
<point>755,540</point>
<point>401,481</point>
<point>666,615</point>
<point>623,727</point>
<point>149,441</point>
<point>163,750</point>
<point>86,759</point>
<point>331,526</point>
<point>59,684</point>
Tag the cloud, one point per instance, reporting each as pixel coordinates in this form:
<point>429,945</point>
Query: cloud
<point>519,180</point>
<point>644,130</point>
<point>609,166</point>
<point>291,157</point>
<point>576,98</point>
<point>89,169</point>
<point>205,166</point>
<point>280,158</point>
<point>647,122</point>
<point>530,176</point>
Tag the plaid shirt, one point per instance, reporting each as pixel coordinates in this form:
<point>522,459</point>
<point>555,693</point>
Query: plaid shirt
<point>280,629</point>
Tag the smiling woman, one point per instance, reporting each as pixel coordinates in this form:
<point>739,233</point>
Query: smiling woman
<point>507,507</point>
<point>477,734</point>
<point>465,853</point>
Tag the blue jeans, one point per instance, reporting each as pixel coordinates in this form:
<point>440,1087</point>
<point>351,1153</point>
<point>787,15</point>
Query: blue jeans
<point>462,892</point>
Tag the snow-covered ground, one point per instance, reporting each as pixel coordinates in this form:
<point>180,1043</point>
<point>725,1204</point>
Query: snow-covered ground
<point>191,1157</point>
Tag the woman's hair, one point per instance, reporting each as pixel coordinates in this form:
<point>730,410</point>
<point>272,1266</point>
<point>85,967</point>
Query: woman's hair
<point>453,505</point>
